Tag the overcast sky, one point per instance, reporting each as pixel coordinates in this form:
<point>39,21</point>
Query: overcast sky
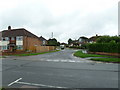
<point>65,18</point>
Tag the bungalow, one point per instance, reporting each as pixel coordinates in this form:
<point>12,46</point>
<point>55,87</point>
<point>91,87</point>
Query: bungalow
<point>18,40</point>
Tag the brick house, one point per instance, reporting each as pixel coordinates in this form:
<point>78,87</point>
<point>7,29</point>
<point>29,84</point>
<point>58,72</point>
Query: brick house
<point>93,39</point>
<point>82,40</point>
<point>43,40</point>
<point>18,40</point>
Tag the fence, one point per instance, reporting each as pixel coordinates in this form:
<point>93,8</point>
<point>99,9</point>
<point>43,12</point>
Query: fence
<point>45,48</point>
<point>38,49</point>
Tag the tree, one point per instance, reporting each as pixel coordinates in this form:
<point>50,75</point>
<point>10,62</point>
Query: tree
<point>108,39</point>
<point>104,39</point>
<point>70,41</point>
<point>53,42</point>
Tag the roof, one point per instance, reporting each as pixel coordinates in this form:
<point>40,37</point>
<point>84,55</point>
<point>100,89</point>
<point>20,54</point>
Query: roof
<point>83,37</point>
<point>17,32</point>
<point>42,38</point>
<point>94,37</point>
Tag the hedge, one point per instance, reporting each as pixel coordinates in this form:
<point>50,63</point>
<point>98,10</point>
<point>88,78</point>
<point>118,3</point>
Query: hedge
<point>75,47</point>
<point>104,47</point>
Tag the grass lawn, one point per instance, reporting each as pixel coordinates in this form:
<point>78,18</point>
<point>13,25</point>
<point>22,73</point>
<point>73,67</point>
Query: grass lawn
<point>85,55</point>
<point>107,59</point>
<point>30,54</point>
<point>2,56</point>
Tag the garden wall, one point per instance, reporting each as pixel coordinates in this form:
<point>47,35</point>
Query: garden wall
<point>38,49</point>
<point>103,53</point>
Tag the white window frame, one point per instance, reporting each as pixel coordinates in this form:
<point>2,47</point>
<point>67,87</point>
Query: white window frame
<point>19,38</point>
<point>4,47</point>
<point>19,47</point>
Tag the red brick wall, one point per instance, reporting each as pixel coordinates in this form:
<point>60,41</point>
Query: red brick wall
<point>103,53</point>
<point>30,42</point>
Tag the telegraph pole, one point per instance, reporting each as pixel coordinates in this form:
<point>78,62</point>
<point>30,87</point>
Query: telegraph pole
<point>52,36</point>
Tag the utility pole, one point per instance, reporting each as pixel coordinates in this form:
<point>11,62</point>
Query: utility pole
<point>52,36</point>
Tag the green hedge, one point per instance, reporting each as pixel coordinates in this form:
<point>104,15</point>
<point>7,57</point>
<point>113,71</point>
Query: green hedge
<point>104,47</point>
<point>75,47</point>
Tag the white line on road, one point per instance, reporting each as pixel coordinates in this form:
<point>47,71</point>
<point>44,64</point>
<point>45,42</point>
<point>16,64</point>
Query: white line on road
<point>14,82</point>
<point>42,85</point>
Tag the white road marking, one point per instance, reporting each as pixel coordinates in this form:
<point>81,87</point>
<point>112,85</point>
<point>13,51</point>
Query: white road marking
<point>33,84</point>
<point>14,82</point>
<point>42,85</point>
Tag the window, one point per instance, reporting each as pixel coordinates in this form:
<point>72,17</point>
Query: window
<point>19,47</point>
<point>5,38</point>
<point>44,42</point>
<point>19,38</point>
<point>12,38</point>
<point>4,47</point>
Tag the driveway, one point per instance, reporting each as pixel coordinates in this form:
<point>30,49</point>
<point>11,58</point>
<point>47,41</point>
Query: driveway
<point>58,70</point>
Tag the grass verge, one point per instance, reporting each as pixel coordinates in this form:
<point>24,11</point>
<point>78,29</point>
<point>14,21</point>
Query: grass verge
<point>31,54</point>
<point>85,55</point>
<point>2,56</point>
<point>114,60</point>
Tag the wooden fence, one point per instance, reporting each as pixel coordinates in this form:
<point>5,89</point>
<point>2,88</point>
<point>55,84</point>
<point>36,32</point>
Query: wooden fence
<point>37,49</point>
<point>45,48</point>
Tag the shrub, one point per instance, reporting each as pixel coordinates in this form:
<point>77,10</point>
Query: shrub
<point>104,47</point>
<point>108,39</point>
<point>76,47</point>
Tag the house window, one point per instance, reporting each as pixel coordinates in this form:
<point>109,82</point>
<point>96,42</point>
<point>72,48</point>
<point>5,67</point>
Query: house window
<point>19,47</point>
<point>43,42</point>
<point>5,38</point>
<point>12,38</point>
<point>4,47</point>
<point>19,38</point>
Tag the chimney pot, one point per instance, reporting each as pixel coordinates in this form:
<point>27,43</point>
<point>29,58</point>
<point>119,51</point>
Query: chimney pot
<point>9,27</point>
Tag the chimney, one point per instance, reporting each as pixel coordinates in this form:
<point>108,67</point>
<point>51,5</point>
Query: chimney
<point>9,27</point>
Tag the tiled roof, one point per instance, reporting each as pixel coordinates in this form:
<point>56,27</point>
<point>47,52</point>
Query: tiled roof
<point>94,37</point>
<point>17,32</point>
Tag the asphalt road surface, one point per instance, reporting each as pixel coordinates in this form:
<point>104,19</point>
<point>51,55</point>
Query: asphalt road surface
<point>57,70</point>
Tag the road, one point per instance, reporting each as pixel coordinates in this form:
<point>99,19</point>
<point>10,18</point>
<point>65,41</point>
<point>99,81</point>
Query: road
<point>58,70</point>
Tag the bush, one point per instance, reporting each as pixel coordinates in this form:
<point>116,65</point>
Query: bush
<point>108,39</point>
<point>104,47</point>
<point>84,46</point>
<point>76,47</point>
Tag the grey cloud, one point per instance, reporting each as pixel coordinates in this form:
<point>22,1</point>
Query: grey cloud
<point>39,19</point>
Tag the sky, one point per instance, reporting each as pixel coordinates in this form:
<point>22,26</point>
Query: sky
<point>65,18</point>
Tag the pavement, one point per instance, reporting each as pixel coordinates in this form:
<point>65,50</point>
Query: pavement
<point>57,70</point>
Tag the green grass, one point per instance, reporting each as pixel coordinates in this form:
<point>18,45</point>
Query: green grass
<point>2,56</point>
<point>31,54</point>
<point>104,59</point>
<point>85,55</point>
<point>117,60</point>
